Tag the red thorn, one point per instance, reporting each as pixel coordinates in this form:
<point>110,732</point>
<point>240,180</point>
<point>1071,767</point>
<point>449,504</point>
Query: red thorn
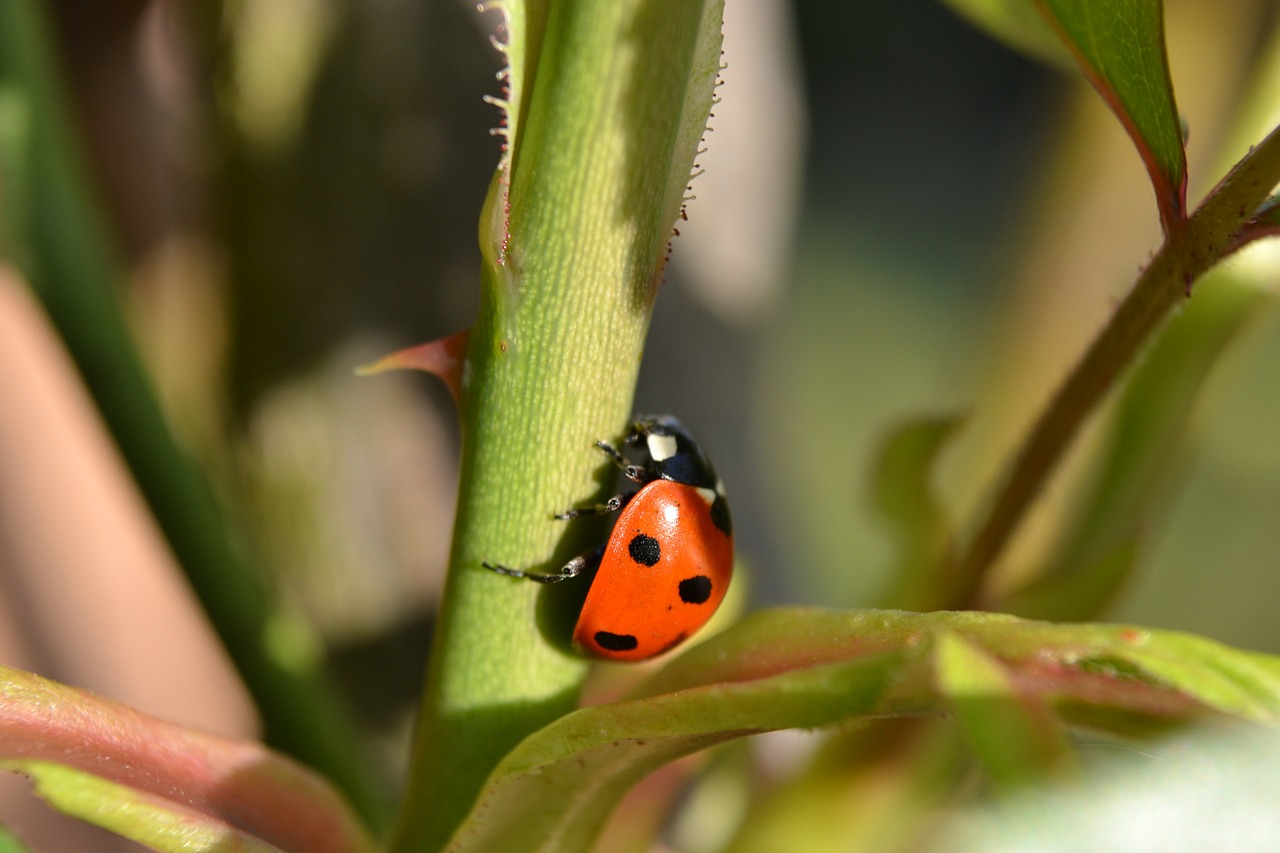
<point>443,357</point>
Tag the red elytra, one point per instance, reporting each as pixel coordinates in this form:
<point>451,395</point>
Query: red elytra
<point>664,572</point>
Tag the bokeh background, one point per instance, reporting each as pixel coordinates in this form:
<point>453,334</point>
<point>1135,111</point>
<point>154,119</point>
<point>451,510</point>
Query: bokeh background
<point>898,217</point>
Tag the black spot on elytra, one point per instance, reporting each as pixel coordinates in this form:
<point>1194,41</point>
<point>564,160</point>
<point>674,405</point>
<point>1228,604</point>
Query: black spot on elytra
<point>695,590</point>
<point>616,642</point>
<point>645,550</point>
<point>720,515</point>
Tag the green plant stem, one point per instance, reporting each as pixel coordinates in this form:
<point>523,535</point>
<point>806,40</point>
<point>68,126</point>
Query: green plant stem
<point>573,255</point>
<point>1210,234</point>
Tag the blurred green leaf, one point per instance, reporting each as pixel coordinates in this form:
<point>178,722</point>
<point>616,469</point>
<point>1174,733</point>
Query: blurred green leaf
<point>904,496</point>
<point>798,668</point>
<point>150,780</point>
<point>1013,733</point>
<point>1136,471</point>
<point>1120,47</point>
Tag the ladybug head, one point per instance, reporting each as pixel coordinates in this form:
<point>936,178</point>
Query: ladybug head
<point>671,452</point>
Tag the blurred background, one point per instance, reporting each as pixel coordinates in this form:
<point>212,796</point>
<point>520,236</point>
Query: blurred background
<point>899,217</point>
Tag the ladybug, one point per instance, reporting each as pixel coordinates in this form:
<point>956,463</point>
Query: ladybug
<point>668,560</point>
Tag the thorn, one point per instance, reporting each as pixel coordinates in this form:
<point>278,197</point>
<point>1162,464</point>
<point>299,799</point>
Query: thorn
<point>444,357</point>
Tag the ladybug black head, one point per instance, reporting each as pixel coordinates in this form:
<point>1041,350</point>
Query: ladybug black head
<point>671,453</point>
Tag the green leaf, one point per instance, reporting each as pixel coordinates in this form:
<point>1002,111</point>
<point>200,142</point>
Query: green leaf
<point>1119,45</point>
<point>802,668</point>
<point>905,498</point>
<point>1014,734</point>
<point>150,780</point>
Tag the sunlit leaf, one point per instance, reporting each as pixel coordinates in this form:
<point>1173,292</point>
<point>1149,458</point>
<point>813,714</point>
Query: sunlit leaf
<point>134,774</point>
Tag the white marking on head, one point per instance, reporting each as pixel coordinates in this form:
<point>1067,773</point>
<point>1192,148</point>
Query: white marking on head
<point>708,495</point>
<point>720,487</point>
<point>661,447</point>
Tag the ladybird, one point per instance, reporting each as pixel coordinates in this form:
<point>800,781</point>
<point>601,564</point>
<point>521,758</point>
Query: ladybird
<point>666,565</point>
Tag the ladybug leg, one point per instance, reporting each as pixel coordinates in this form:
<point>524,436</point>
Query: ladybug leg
<point>614,504</point>
<point>635,473</point>
<point>613,453</point>
<point>581,563</point>
<point>571,569</point>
